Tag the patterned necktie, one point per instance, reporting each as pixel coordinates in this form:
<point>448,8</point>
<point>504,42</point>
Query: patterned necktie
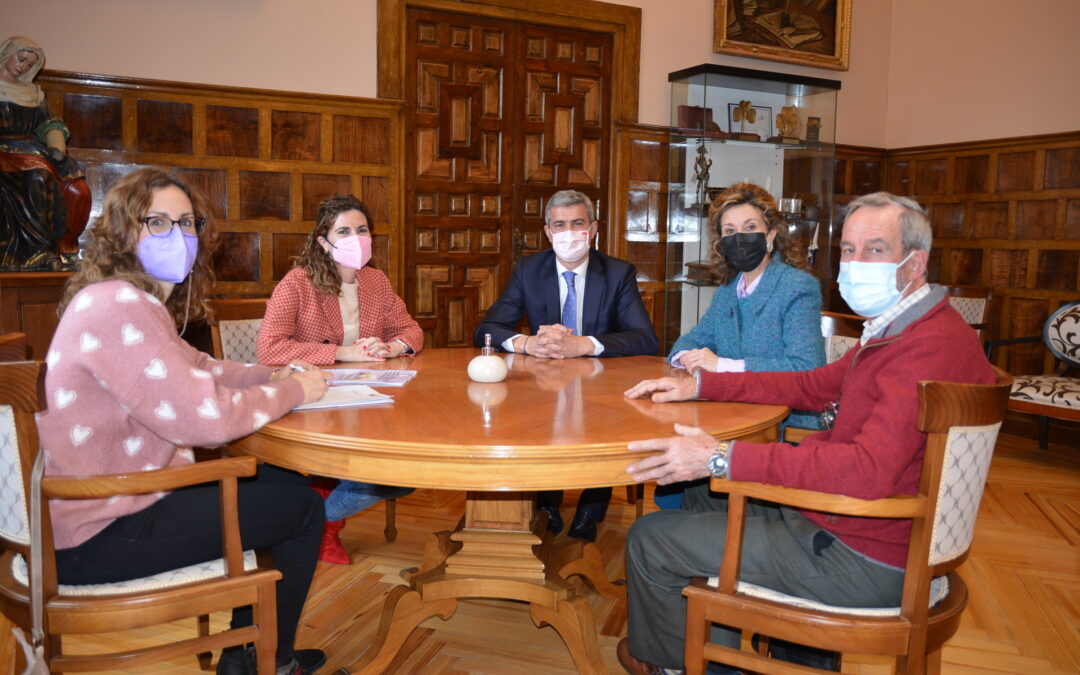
<point>569,308</point>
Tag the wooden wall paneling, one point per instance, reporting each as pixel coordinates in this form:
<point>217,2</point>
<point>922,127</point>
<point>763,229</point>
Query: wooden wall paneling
<point>1071,225</point>
<point>1021,197</point>
<point>265,159</point>
<point>28,302</point>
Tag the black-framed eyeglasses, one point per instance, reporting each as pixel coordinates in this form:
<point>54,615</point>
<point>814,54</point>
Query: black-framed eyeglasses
<point>160,226</point>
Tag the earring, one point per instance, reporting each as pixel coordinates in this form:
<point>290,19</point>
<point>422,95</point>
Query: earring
<point>768,246</point>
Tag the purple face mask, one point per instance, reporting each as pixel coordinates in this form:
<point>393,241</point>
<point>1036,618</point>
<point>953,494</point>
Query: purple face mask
<point>170,257</point>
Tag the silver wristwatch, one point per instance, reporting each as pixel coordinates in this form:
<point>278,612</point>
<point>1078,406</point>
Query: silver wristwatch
<point>718,462</point>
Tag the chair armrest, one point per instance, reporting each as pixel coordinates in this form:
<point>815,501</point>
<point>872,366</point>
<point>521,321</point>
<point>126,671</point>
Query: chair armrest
<point>991,344</point>
<point>142,482</point>
<point>900,506</point>
<point>797,434</point>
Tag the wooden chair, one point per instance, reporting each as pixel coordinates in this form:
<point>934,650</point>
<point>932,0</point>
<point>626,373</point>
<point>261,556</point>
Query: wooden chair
<point>193,591</point>
<point>961,422</point>
<point>13,347</point>
<point>1055,394</point>
<point>235,332</point>
<point>235,328</point>
<point>973,303</point>
<point>841,332</point>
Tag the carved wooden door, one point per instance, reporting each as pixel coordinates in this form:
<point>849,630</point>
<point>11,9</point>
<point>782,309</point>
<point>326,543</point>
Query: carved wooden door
<point>499,115</point>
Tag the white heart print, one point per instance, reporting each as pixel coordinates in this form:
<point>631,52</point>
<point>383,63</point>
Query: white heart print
<point>84,300</point>
<point>132,445</point>
<point>270,392</point>
<point>165,411</point>
<point>64,398</point>
<point>131,335</point>
<point>52,358</point>
<point>80,434</point>
<point>208,409</point>
<point>237,397</point>
<point>261,419</point>
<point>88,343</point>
<point>200,374</point>
<point>156,370</point>
<point>127,294</point>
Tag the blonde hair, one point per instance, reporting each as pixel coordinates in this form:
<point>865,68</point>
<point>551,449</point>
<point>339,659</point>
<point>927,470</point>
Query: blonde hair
<point>756,196</point>
<point>112,246</point>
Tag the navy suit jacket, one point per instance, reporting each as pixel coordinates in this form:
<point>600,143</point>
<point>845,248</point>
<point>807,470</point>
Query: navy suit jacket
<point>612,311</point>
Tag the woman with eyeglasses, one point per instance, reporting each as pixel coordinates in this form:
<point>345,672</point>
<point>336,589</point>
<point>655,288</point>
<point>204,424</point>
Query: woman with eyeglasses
<point>333,306</point>
<point>127,394</point>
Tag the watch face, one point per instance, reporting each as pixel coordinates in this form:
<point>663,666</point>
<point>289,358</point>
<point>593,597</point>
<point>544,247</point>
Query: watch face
<point>718,465</point>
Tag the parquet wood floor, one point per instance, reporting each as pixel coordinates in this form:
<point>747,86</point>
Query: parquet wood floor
<point>1023,575</point>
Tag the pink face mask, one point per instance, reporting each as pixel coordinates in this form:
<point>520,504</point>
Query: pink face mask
<point>570,245</point>
<point>353,251</point>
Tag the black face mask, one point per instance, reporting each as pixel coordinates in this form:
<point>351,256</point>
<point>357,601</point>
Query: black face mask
<point>744,250</point>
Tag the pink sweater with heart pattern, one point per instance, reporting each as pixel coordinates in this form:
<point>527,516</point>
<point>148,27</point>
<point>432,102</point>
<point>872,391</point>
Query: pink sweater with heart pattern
<point>126,394</point>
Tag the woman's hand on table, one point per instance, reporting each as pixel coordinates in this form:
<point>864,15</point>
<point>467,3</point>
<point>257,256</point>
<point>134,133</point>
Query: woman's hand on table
<point>364,349</point>
<point>664,389</point>
<point>315,383</point>
<point>699,358</point>
<point>291,369</point>
<point>683,457</point>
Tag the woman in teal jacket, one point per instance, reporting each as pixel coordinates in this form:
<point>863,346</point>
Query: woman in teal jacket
<point>766,314</point>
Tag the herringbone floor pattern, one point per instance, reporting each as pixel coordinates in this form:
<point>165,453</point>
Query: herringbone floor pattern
<point>1023,575</point>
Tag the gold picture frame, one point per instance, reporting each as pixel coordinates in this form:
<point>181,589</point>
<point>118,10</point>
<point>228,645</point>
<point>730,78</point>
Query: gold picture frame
<point>805,32</point>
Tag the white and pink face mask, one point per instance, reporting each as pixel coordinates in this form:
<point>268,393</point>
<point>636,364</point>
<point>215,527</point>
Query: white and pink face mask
<point>571,245</point>
<point>353,251</point>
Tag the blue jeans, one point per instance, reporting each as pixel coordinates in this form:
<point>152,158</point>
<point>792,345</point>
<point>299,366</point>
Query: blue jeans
<point>351,497</point>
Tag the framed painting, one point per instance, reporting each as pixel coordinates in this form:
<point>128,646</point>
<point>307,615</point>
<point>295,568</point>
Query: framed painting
<point>805,32</point>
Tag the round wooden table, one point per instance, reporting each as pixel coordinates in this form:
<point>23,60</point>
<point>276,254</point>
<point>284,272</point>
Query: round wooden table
<point>549,425</point>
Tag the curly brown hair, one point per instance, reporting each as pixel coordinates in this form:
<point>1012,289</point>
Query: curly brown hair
<point>756,196</point>
<point>320,266</point>
<point>112,246</point>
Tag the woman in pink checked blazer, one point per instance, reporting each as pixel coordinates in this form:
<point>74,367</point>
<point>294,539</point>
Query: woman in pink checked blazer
<point>333,307</point>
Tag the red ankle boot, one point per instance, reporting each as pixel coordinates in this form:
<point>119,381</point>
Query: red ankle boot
<point>331,550</point>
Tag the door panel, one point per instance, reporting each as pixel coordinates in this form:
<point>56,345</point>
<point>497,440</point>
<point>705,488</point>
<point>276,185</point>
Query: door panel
<point>499,115</point>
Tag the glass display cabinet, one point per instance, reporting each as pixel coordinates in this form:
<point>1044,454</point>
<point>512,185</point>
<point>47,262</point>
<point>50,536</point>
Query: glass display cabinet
<point>735,125</point>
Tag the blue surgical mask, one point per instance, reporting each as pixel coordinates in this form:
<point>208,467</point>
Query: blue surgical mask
<point>170,257</point>
<point>869,288</point>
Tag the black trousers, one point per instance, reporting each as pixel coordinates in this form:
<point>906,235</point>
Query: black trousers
<point>278,511</point>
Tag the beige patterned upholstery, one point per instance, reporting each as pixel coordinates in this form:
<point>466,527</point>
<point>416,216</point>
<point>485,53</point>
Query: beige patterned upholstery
<point>185,575</point>
<point>939,589</point>
<point>1056,390</point>
<point>839,345</point>
<point>972,309</point>
<point>963,476</point>
<point>238,339</point>
<point>13,513</point>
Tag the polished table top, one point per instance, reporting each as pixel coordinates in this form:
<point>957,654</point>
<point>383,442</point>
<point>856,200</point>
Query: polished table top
<point>550,424</point>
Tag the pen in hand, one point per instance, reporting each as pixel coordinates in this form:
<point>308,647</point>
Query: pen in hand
<point>297,369</point>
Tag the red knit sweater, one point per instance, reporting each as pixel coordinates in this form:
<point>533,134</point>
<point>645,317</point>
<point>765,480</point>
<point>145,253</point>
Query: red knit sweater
<point>874,450</point>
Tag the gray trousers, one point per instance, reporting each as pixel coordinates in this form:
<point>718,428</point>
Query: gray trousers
<point>781,550</point>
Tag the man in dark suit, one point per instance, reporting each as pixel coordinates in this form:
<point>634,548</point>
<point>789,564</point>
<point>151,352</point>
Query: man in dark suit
<point>580,302</point>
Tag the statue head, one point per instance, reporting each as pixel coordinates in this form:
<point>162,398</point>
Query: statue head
<point>20,60</point>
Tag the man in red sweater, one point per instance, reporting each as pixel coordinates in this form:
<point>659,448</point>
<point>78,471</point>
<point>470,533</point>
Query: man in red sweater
<point>873,448</point>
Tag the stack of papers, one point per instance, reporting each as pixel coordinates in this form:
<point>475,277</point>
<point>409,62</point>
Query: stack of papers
<point>347,396</point>
<point>372,378</point>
